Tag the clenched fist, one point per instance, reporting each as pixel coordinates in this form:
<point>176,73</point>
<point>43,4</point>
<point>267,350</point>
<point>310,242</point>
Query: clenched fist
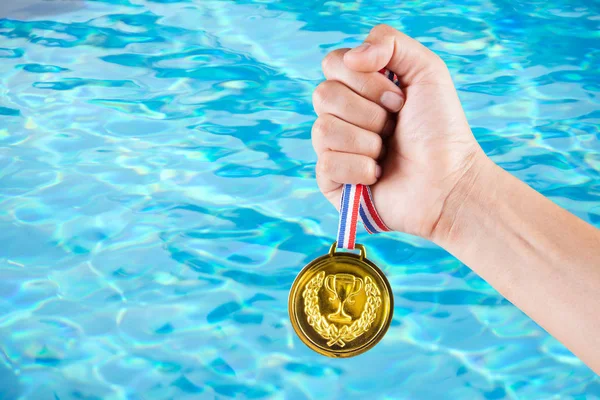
<point>411,143</point>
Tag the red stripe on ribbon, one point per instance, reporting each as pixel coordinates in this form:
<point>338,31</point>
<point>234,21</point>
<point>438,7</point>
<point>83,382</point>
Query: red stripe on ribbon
<point>371,208</point>
<point>354,216</point>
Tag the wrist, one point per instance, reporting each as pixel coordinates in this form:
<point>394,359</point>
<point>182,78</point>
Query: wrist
<point>465,200</point>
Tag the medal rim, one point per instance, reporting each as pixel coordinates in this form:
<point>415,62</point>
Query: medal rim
<point>382,330</point>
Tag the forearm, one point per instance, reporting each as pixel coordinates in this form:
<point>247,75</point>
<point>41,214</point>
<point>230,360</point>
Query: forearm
<point>543,259</point>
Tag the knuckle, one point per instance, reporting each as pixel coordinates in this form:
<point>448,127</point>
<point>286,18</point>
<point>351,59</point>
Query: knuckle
<point>352,142</point>
<point>317,128</point>
<point>327,62</point>
<point>316,138</point>
<point>381,29</point>
<point>332,59</point>
<point>319,95</point>
<point>321,129</point>
<point>322,93</point>
<point>325,164</point>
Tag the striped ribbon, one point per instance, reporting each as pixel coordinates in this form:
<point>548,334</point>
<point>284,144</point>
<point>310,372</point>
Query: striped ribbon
<point>357,202</point>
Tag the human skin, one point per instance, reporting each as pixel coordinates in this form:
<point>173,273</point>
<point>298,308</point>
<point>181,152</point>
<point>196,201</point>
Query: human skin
<point>431,178</point>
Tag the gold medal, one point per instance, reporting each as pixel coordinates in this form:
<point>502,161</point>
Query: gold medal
<point>341,304</point>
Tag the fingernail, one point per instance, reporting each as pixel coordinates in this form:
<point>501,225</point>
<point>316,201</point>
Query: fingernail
<point>377,171</point>
<point>392,101</point>
<point>361,48</point>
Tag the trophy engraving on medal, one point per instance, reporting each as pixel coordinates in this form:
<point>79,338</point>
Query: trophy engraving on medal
<point>341,304</point>
<point>343,287</point>
<point>347,287</point>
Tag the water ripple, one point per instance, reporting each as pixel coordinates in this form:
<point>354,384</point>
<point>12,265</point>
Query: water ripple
<point>157,198</point>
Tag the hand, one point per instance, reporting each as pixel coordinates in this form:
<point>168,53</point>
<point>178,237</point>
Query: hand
<point>436,182</point>
<point>413,143</point>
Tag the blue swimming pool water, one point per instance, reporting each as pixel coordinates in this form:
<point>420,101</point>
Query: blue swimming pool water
<point>157,198</point>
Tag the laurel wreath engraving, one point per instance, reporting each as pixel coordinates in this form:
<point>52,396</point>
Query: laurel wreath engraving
<point>330,332</point>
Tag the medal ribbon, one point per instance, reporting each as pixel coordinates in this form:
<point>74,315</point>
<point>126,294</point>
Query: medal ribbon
<point>357,202</point>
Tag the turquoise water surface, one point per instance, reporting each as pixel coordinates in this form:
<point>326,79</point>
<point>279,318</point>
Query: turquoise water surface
<point>157,197</point>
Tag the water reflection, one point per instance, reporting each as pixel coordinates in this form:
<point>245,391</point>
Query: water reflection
<point>30,9</point>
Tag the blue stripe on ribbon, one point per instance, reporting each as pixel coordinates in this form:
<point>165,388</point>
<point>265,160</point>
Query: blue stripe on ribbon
<point>366,221</point>
<point>344,214</point>
<point>340,226</point>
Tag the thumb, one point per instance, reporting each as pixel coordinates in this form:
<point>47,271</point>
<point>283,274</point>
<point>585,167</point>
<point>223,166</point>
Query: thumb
<point>385,47</point>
